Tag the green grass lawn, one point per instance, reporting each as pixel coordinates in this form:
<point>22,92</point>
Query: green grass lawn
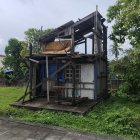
<point>115,116</point>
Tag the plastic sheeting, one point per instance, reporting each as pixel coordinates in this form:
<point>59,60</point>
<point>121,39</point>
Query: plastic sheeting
<point>51,68</point>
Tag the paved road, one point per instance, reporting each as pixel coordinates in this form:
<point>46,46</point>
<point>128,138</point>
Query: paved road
<point>14,130</point>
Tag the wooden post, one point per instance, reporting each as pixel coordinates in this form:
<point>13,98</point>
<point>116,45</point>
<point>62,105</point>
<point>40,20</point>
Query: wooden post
<point>105,55</point>
<point>30,49</point>
<point>30,70</point>
<point>93,45</point>
<point>34,79</point>
<point>95,36</point>
<point>95,81</point>
<point>105,41</point>
<point>74,83</point>
<point>85,45</point>
<point>48,98</point>
<point>73,41</point>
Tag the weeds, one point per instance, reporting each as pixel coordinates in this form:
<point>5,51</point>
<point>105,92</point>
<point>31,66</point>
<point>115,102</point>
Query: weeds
<point>115,116</point>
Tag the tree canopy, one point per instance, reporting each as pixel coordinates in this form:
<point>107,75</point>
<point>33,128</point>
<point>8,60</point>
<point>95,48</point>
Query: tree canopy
<point>16,50</point>
<point>32,35</point>
<point>13,59</point>
<point>126,17</point>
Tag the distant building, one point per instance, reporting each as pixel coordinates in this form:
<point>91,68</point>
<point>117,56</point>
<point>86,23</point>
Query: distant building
<point>1,58</point>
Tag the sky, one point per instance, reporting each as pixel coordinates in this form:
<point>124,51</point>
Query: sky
<point>17,16</point>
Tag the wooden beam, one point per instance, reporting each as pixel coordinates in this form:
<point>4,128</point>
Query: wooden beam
<point>33,60</point>
<point>93,45</point>
<point>84,19</point>
<point>30,71</point>
<point>61,68</point>
<point>95,31</point>
<point>23,97</point>
<point>74,83</point>
<point>105,41</point>
<point>34,80</point>
<point>48,97</point>
<point>80,43</point>
<point>97,34</point>
<point>73,41</point>
<point>85,46</point>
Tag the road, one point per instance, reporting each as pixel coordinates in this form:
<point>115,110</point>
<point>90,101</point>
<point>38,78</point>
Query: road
<point>18,130</point>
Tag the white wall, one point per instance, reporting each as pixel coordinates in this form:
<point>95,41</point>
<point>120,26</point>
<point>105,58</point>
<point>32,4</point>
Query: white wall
<point>87,75</point>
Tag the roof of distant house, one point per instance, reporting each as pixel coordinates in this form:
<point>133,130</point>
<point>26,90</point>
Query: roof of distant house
<point>1,55</point>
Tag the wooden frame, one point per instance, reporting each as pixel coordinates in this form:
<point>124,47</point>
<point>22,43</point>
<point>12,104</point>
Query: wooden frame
<point>92,23</point>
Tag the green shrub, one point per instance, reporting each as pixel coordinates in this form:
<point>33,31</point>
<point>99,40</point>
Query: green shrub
<point>122,122</point>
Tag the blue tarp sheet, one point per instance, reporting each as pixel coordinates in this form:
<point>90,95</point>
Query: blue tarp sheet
<point>51,68</point>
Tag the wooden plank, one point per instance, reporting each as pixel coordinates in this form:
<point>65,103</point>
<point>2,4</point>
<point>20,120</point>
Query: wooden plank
<point>81,108</point>
<point>82,82</point>
<point>63,87</point>
<point>33,60</point>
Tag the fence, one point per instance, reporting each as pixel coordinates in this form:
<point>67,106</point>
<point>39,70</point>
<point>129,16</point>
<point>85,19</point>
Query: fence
<point>114,84</point>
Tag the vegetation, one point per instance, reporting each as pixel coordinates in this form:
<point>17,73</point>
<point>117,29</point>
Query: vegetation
<point>14,60</point>
<point>119,115</point>
<point>126,15</point>
<point>116,116</point>
<point>16,51</point>
<point>116,50</point>
<point>127,68</point>
<point>32,35</point>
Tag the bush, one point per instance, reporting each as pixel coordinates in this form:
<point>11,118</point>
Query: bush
<point>125,91</point>
<point>122,122</point>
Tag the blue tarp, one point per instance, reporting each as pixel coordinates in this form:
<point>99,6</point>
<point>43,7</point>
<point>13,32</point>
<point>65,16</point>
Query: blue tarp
<point>51,68</point>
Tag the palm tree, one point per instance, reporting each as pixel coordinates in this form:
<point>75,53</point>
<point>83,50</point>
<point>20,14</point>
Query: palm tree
<point>116,50</point>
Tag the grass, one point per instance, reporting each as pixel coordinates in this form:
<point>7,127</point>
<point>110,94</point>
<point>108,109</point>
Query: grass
<point>115,116</point>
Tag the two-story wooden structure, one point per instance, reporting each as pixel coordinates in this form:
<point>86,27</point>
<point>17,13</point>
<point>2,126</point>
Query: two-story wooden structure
<point>62,78</point>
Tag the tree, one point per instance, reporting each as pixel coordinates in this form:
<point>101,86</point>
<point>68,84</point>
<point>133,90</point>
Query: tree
<point>16,51</point>
<point>32,35</point>
<point>132,74</point>
<point>116,50</point>
<point>126,17</point>
<point>14,60</point>
<point>127,68</point>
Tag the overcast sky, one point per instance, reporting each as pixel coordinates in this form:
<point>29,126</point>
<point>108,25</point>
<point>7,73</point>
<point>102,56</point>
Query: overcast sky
<point>16,16</point>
